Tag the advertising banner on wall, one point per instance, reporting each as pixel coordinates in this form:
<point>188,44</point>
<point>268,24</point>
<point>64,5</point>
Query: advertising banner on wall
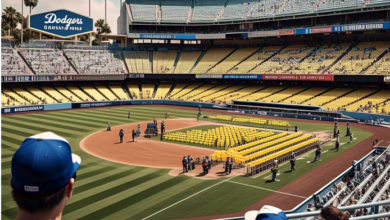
<point>22,109</point>
<point>41,78</point>
<point>361,27</point>
<point>316,77</point>
<point>242,76</point>
<point>208,76</point>
<point>285,32</point>
<point>168,36</point>
<point>60,23</point>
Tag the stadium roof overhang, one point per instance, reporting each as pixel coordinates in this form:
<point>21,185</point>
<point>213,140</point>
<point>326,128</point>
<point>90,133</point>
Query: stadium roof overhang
<point>60,23</point>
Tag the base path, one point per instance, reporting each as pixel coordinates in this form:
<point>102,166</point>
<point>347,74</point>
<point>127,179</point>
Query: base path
<point>106,145</point>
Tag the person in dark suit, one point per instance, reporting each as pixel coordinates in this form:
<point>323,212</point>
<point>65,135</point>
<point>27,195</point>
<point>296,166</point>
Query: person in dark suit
<point>133,134</point>
<point>185,163</point>
<point>274,171</point>
<point>337,145</point>
<point>292,162</point>
<point>128,116</point>
<point>121,134</point>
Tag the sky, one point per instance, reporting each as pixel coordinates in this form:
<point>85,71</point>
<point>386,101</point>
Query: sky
<point>79,6</point>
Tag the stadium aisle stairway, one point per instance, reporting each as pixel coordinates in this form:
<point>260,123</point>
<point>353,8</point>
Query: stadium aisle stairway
<point>79,93</point>
<point>94,93</point>
<point>255,60</point>
<point>162,90</point>
<point>118,90</point>
<point>147,91</point>
<point>279,96</point>
<point>134,90</point>
<point>212,57</point>
<point>347,99</point>
<point>305,95</point>
<point>327,96</point>
<point>137,61</point>
<point>187,61</point>
<point>163,61</point>
<point>232,60</point>
<point>106,92</point>
<point>68,94</point>
<point>41,95</point>
<point>55,94</point>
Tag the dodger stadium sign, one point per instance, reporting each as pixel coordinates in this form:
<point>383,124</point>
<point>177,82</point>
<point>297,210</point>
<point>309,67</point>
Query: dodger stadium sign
<point>60,23</point>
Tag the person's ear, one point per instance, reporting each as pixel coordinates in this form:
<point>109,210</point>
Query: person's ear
<point>69,188</point>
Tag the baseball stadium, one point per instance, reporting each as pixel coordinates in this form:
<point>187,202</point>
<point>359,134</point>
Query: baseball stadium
<point>200,109</point>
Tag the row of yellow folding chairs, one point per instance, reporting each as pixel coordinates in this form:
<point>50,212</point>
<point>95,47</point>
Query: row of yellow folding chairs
<point>269,144</point>
<point>268,136</point>
<point>277,147</point>
<point>220,117</point>
<point>282,152</point>
<point>279,123</point>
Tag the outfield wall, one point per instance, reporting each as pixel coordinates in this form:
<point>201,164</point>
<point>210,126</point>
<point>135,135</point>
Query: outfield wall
<point>366,116</point>
<point>64,106</point>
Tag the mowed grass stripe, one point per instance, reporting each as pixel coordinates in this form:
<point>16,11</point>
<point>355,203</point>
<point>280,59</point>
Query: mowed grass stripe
<point>5,156</point>
<point>9,147</point>
<point>99,176</point>
<point>117,197</point>
<point>164,197</point>
<point>94,197</point>
<point>48,122</point>
<point>120,205</point>
<point>109,185</point>
<point>52,121</point>
<point>35,129</point>
<point>105,180</point>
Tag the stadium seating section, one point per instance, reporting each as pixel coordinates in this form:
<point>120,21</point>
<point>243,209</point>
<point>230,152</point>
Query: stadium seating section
<point>369,100</point>
<point>95,61</point>
<point>370,57</point>
<point>47,61</point>
<point>187,11</point>
<point>12,63</point>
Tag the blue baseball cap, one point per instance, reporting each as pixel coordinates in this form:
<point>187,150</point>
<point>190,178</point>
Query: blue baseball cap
<point>43,163</point>
<point>266,213</point>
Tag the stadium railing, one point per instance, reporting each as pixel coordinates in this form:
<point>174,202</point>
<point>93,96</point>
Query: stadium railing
<point>375,205</point>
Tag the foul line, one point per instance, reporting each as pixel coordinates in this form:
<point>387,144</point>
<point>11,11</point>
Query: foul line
<point>267,189</point>
<point>187,198</point>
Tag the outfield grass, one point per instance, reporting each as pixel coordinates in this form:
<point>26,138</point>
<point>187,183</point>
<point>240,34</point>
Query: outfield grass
<point>107,190</point>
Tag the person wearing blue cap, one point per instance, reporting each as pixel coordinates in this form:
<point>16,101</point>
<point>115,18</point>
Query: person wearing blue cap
<point>267,212</point>
<point>43,171</point>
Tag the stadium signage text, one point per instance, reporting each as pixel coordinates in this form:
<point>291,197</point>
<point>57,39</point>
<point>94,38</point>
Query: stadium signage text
<point>52,19</point>
<point>22,109</point>
<point>60,23</point>
<point>242,76</point>
<point>298,77</point>
<point>208,76</point>
<point>360,27</point>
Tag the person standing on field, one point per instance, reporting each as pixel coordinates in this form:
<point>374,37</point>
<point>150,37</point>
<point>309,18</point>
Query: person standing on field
<point>121,134</point>
<point>128,116</point>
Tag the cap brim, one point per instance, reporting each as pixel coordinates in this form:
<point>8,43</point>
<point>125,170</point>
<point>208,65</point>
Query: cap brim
<point>251,215</point>
<point>76,162</point>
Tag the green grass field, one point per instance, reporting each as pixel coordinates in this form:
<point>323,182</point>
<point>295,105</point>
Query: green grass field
<point>107,190</point>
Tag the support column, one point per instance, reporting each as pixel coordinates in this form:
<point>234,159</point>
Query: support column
<point>90,39</point>
<point>40,36</point>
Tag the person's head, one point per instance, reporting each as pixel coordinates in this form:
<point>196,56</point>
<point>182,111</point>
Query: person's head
<point>267,212</point>
<point>332,213</point>
<point>43,172</point>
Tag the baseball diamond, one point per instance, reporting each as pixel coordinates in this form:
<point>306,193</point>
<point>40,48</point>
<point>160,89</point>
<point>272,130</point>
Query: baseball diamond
<point>195,109</point>
<point>138,179</point>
